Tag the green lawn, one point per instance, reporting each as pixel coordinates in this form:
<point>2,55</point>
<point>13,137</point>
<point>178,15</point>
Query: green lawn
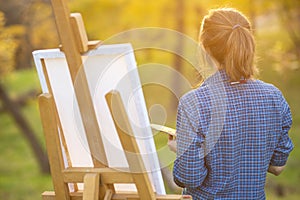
<point>20,177</point>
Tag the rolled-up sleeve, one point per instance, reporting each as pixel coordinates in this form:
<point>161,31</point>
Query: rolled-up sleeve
<point>189,167</point>
<point>284,145</point>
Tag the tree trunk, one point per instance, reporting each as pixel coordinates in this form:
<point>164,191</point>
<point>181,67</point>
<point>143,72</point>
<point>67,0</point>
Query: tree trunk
<point>178,61</point>
<point>14,110</point>
<point>23,56</point>
<point>252,14</point>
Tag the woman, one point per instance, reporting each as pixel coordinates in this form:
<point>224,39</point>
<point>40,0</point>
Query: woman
<point>233,128</point>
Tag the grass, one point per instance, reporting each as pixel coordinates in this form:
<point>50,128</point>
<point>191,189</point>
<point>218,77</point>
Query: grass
<point>20,177</point>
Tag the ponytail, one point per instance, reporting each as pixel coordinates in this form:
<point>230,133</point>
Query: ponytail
<point>227,36</point>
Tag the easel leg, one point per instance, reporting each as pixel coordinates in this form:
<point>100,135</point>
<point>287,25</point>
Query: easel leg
<point>91,187</point>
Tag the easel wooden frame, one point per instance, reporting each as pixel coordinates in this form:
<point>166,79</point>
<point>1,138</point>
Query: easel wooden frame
<point>94,179</point>
<point>98,180</point>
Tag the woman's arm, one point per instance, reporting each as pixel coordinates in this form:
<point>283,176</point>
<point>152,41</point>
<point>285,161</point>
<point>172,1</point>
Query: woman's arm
<point>284,145</point>
<point>189,167</point>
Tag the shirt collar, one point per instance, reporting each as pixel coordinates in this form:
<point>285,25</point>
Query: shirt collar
<point>221,76</point>
<point>218,76</point>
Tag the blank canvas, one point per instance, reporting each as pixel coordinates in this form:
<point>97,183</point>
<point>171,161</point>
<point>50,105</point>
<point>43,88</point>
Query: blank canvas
<point>108,67</point>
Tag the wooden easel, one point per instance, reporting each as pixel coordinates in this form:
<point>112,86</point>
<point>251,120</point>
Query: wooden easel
<point>74,42</point>
<point>98,180</point>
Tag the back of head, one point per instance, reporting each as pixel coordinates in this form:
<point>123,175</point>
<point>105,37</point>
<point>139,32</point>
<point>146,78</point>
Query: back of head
<point>226,34</point>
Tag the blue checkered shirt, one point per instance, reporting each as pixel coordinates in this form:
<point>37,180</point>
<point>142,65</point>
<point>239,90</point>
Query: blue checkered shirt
<point>228,135</point>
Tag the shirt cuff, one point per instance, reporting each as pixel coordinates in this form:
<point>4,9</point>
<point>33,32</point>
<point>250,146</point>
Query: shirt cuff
<point>279,160</point>
<point>180,184</point>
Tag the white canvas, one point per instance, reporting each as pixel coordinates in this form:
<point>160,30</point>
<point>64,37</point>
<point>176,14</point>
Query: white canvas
<point>108,67</point>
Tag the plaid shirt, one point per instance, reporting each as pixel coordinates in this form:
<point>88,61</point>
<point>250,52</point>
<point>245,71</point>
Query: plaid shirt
<point>228,135</point>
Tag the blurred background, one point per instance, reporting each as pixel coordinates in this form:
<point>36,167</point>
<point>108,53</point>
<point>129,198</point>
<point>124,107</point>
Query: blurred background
<point>28,25</point>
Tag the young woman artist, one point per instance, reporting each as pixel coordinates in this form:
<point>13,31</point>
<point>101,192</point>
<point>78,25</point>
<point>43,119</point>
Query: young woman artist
<point>233,129</point>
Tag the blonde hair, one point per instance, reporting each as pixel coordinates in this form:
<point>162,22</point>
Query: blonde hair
<point>226,35</point>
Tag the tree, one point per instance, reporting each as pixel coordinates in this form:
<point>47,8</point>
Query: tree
<point>14,12</point>
<point>15,53</point>
<point>27,15</point>
<point>290,15</point>
<point>14,110</point>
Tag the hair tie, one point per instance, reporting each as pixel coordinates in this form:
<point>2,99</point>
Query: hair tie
<point>236,26</point>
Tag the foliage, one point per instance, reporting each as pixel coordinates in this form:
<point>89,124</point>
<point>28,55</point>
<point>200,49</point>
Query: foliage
<point>24,25</point>
<point>42,28</point>
<point>8,45</point>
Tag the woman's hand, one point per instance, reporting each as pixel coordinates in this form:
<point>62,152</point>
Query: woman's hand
<point>276,170</point>
<point>172,144</point>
